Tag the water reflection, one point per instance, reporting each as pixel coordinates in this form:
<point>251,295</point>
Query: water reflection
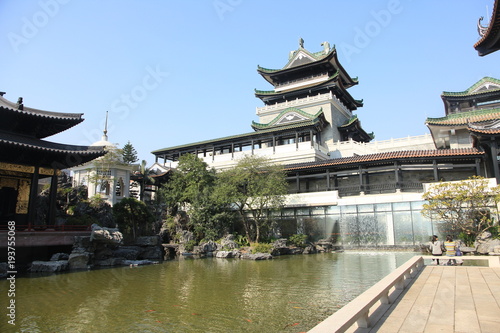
<point>287,294</point>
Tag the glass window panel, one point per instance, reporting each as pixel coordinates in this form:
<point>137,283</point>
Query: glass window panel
<point>318,211</point>
<point>303,211</point>
<point>349,209</point>
<point>367,227</point>
<point>332,229</point>
<point>398,206</point>
<point>365,208</point>
<point>382,228</point>
<point>333,210</point>
<point>287,226</point>
<point>422,228</point>
<point>314,227</point>
<point>403,230</point>
<point>417,205</point>
<point>275,213</point>
<point>288,212</point>
<point>350,230</point>
<point>383,207</point>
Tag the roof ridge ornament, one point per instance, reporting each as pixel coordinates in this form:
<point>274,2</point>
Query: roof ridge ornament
<point>301,43</point>
<point>326,47</point>
<point>20,105</point>
<point>480,29</point>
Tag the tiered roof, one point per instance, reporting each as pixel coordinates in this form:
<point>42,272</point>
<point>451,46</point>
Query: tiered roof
<point>483,94</point>
<point>309,73</point>
<point>352,130</point>
<point>22,128</point>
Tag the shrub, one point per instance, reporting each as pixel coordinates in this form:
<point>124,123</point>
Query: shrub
<point>189,246</point>
<point>298,240</point>
<point>261,248</point>
<point>241,240</point>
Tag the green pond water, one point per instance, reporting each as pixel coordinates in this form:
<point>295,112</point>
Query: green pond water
<point>285,294</point>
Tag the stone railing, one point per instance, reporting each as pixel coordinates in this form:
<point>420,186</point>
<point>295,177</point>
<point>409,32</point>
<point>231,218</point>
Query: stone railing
<point>493,261</point>
<point>349,148</point>
<point>385,292</point>
<point>302,101</point>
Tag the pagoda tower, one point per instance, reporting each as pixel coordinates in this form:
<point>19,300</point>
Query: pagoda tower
<point>313,83</point>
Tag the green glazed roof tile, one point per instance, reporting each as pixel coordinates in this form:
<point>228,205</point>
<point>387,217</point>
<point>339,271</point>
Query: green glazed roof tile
<point>473,87</point>
<point>310,117</point>
<point>463,118</point>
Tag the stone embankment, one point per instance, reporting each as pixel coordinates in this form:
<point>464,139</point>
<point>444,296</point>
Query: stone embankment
<point>229,248</point>
<point>103,248</point>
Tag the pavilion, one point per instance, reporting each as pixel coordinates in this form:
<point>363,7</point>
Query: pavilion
<point>25,157</point>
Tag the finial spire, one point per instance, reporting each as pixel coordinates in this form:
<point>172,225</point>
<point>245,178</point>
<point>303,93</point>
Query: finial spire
<point>105,132</point>
<point>301,43</point>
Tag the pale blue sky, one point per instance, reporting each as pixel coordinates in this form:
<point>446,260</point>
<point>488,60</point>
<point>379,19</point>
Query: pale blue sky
<point>176,72</point>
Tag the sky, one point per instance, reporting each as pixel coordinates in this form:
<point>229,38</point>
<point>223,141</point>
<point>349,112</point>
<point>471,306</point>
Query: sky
<point>176,72</point>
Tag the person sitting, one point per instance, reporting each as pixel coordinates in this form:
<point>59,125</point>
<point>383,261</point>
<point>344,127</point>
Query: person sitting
<point>436,248</point>
<point>451,249</point>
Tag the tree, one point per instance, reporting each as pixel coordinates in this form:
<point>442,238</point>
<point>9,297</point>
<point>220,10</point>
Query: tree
<point>145,179</point>
<point>188,182</point>
<point>190,190</point>
<point>133,218</point>
<point>463,207</point>
<point>254,186</point>
<point>129,153</point>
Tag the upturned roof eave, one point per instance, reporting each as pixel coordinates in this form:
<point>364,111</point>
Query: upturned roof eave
<point>331,57</point>
<point>490,41</point>
<point>464,118</point>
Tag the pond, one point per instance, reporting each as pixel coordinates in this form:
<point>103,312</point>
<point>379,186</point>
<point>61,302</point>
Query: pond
<point>285,294</point>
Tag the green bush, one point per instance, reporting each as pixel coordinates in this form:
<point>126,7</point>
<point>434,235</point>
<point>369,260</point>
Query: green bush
<point>261,248</point>
<point>298,240</point>
<point>189,246</point>
<point>241,240</point>
<point>467,238</point>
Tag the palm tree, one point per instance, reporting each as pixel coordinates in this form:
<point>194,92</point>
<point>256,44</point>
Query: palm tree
<point>145,179</point>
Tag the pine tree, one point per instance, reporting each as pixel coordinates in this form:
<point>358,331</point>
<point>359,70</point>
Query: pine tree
<point>129,153</point>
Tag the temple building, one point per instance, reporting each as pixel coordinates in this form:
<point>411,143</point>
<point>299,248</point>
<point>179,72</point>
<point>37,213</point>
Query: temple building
<point>472,119</point>
<point>303,117</point>
<point>107,176</point>
<point>344,185</point>
<point>25,158</point>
